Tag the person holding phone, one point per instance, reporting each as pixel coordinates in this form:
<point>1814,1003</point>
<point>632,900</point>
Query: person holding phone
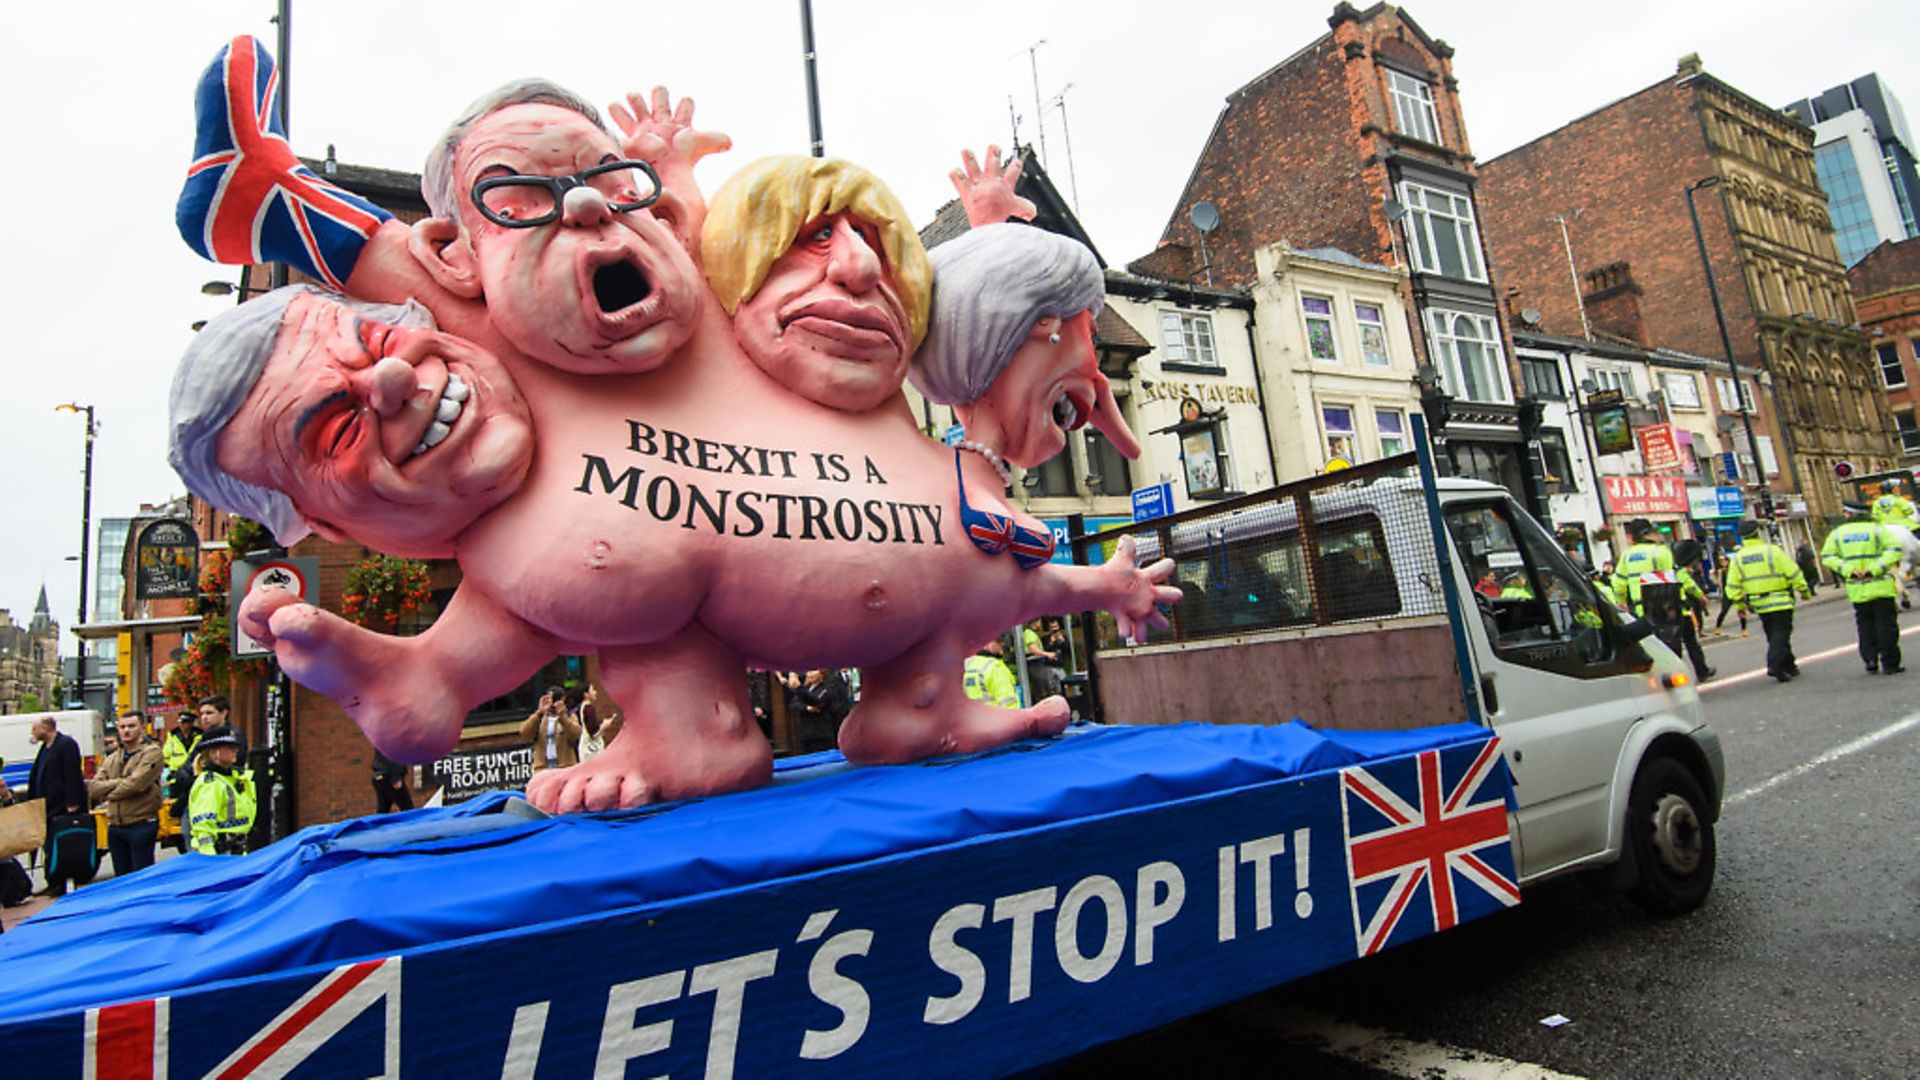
<point>554,732</point>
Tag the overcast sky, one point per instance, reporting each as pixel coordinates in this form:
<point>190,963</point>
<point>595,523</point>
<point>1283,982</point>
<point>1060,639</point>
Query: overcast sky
<point>101,290</point>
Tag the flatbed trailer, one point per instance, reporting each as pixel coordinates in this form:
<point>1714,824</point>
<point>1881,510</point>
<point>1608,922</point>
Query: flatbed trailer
<point>962,917</point>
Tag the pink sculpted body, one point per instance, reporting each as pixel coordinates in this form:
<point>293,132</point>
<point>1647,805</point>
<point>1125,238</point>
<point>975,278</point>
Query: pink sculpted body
<point>711,484</point>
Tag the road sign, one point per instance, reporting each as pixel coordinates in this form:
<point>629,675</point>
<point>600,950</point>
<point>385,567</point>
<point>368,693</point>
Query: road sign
<point>1153,502</point>
<point>1730,466</point>
<point>298,574</point>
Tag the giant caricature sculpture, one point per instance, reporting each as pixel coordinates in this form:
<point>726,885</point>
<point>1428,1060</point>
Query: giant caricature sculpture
<point>687,475</point>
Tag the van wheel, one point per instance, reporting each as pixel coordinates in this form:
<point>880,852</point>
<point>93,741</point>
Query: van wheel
<point>1671,839</point>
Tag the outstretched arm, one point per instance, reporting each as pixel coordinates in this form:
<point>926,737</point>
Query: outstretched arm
<point>987,193</point>
<point>1134,594</point>
<point>660,133</point>
<point>410,695</point>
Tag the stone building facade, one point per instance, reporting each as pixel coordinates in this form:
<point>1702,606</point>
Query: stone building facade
<point>29,660</point>
<point>1336,358</point>
<point>1886,297</point>
<point>1608,193</point>
<point>1357,143</point>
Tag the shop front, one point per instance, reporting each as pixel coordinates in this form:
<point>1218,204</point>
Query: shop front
<point>1662,500</point>
<point>1716,514</point>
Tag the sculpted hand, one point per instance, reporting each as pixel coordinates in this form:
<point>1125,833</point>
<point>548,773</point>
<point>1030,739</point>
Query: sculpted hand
<point>987,193</point>
<point>1139,592</point>
<point>662,134</point>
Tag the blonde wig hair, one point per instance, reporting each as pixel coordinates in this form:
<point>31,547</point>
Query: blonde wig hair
<point>758,213</point>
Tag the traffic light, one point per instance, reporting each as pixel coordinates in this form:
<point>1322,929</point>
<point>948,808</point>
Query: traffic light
<point>1843,470</point>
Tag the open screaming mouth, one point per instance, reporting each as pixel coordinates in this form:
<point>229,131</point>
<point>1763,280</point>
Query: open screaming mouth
<point>1067,413</point>
<point>620,285</point>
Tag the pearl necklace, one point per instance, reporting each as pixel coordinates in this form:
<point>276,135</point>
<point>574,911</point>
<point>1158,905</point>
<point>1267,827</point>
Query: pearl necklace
<point>993,458</point>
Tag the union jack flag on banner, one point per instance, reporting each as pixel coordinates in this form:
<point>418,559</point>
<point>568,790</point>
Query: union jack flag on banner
<point>132,1041</point>
<point>1427,843</point>
<point>248,199</point>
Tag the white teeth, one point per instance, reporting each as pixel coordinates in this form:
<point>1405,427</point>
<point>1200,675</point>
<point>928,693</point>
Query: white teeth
<point>452,401</point>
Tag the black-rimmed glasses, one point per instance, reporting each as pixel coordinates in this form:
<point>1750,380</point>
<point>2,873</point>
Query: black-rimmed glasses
<point>522,202</point>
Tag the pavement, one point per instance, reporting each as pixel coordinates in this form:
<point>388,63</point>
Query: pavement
<point>13,916</point>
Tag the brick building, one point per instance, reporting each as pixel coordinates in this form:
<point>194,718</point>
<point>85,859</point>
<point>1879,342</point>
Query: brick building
<point>1608,191</point>
<point>1357,143</point>
<point>1886,297</point>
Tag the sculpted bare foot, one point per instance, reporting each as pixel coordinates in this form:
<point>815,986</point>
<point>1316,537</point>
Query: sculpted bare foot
<point>598,784</point>
<point>894,731</point>
<point>628,773</point>
<point>401,706</point>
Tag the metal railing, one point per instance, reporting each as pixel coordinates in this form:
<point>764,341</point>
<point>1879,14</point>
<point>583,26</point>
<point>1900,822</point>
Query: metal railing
<point>1345,547</point>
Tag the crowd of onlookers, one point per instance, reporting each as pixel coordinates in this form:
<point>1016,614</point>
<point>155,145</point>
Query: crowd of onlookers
<point>192,773</point>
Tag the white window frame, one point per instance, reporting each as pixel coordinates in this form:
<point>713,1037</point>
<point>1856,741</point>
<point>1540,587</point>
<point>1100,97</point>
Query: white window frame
<point>1881,353</point>
<point>1381,436</point>
<point>1691,398</point>
<point>1308,318</point>
<point>1351,433</point>
<point>1723,391</point>
<point>1413,111</point>
<point>1187,338</point>
<point>1377,324</point>
<point>1442,324</point>
<point>1616,378</point>
<point>1428,205</point>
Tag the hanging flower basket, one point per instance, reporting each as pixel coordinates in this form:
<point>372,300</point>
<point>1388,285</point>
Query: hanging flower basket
<point>206,665</point>
<point>381,590</point>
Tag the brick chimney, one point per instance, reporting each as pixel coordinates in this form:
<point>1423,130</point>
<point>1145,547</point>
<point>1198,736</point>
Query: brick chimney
<point>1612,300</point>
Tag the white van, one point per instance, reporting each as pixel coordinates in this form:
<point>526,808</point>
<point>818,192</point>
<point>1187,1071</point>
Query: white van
<point>1341,621</point>
<point>17,748</point>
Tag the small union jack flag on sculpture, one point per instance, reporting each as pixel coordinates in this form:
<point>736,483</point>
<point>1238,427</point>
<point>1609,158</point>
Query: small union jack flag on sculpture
<point>248,199</point>
<point>1427,843</point>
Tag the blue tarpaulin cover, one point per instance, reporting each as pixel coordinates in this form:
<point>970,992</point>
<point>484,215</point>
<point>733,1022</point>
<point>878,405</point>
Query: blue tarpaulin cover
<point>968,916</point>
<point>377,885</point>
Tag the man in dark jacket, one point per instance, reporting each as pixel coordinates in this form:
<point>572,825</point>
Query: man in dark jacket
<point>56,778</point>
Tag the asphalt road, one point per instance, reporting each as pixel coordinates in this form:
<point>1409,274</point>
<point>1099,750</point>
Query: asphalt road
<point>1804,962</point>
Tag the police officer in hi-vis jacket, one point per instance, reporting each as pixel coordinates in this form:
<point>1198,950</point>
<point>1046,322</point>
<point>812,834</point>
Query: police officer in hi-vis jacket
<point>1862,554</point>
<point>1762,578</point>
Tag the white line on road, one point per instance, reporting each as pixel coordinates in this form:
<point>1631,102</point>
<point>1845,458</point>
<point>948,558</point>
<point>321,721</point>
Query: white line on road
<point>1397,1054</point>
<point>1835,754</point>
<point>1761,672</point>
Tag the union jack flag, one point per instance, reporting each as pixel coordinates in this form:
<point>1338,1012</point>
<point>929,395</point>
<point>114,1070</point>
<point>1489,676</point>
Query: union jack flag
<point>131,1040</point>
<point>1412,836</point>
<point>248,199</point>
<point>991,532</point>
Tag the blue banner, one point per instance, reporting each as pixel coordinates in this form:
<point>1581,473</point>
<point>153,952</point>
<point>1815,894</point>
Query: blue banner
<point>983,955</point>
<point>1063,538</point>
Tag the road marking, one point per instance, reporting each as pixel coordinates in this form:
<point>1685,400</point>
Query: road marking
<point>1761,672</point>
<point>1397,1054</point>
<point>1833,755</point>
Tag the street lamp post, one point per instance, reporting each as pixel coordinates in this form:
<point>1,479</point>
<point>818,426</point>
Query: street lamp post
<point>1726,341</point>
<point>86,527</point>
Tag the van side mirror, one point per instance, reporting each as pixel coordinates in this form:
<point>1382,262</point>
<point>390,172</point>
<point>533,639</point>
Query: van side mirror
<point>1634,628</point>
